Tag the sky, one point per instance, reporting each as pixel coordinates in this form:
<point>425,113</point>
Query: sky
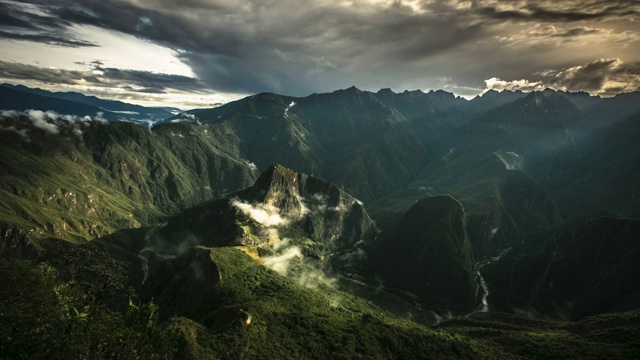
<point>201,53</point>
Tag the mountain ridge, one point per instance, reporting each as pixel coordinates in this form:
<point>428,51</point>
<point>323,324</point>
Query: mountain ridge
<point>243,224</point>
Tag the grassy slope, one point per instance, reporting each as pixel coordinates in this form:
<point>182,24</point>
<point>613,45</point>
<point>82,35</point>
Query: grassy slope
<point>91,179</point>
<point>270,316</point>
<point>292,321</point>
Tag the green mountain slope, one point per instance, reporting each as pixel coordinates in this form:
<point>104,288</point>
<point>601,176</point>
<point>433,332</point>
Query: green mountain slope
<point>77,180</point>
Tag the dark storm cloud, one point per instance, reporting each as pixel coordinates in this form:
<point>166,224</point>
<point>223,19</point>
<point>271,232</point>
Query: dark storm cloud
<point>46,39</point>
<point>578,32</point>
<point>18,23</point>
<point>98,76</point>
<point>289,47</point>
<point>587,10</point>
<point>270,46</point>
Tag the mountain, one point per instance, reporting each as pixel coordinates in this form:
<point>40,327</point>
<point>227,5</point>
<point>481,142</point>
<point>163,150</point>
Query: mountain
<point>582,268</point>
<point>12,99</point>
<point>477,164</point>
<point>493,99</point>
<point>501,227</point>
<point>154,113</point>
<point>606,177</point>
<point>73,103</point>
<point>307,211</point>
<point>78,180</point>
<point>428,254</point>
<point>348,137</point>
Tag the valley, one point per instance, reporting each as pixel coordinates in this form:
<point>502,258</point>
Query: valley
<point>338,225</point>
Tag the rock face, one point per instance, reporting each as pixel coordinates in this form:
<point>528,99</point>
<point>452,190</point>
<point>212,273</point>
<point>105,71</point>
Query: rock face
<point>428,254</point>
<point>282,203</point>
<point>319,207</point>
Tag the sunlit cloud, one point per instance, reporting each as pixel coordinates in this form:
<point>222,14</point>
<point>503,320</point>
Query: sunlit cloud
<point>606,77</point>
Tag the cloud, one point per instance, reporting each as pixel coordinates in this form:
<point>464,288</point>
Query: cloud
<point>99,76</point>
<point>263,214</point>
<point>286,111</point>
<point>522,84</point>
<point>603,77</point>
<point>132,86</point>
<point>19,21</point>
<point>43,38</point>
<point>39,119</point>
<point>288,261</point>
<point>255,46</point>
<point>288,258</point>
<point>579,31</point>
<point>560,11</point>
<point>282,262</point>
<point>49,121</point>
<point>606,77</point>
<point>553,36</point>
<point>45,119</point>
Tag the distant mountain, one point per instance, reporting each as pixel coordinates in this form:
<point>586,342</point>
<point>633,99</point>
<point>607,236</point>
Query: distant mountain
<point>348,137</point>
<point>12,99</point>
<point>493,99</point>
<point>73,102</point>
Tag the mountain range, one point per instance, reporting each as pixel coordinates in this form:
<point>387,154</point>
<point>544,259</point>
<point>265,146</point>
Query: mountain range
<point>344,224</point>
<point>20,97</point>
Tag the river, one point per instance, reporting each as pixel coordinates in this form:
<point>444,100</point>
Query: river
<point>483,306</point>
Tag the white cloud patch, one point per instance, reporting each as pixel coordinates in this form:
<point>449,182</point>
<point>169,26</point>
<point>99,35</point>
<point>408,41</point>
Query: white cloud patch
<point>282,262</point>
<point>289,259</point>
<point>188,116</point>
<point>286,111</point>
<point>39,119</point>
<point>499,85</point>
<point>266,215</point>
<point>252,166</point>
<point>49,121</point>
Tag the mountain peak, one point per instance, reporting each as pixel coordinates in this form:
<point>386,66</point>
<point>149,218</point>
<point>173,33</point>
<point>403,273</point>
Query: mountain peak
<point>353,88</point>
<point>416,92</point>
<point>291,192</point>
<point>386,91</point>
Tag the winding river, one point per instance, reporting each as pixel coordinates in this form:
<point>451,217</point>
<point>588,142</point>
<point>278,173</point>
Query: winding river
<point>483,306</point>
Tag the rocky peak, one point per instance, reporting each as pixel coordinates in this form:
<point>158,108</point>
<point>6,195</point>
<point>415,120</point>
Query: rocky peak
<point>291,192</point>
<point>281,204</point>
